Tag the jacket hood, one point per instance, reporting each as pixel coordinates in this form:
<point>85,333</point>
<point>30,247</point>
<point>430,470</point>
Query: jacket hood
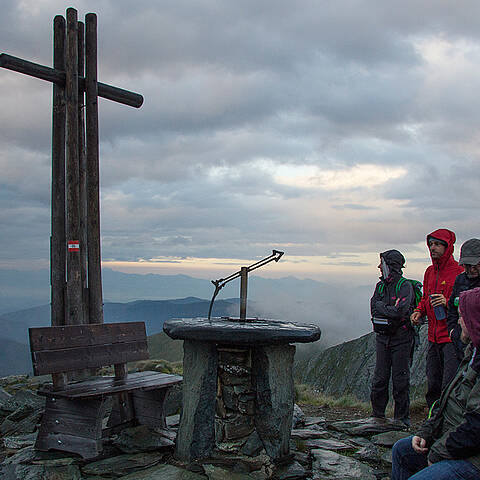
<point>447,236</point>
<point>394,259</point>
<point>470,310</point>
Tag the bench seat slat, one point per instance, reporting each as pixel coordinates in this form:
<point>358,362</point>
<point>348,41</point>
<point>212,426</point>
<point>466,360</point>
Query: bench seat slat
<point>108,385</point>
<point>70,336</point>
<point>70,359</point>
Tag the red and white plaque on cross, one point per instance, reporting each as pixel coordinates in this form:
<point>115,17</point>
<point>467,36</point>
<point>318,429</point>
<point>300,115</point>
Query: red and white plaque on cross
<point>73,246</point>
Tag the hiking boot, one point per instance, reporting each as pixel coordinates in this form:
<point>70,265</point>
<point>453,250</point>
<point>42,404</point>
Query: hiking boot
<point>402,422</point>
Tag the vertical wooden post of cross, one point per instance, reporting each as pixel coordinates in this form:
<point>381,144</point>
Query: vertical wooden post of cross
<point>74,279</point>
<point>93,195</point>
<point>82,165</point>
<point>58,242</point>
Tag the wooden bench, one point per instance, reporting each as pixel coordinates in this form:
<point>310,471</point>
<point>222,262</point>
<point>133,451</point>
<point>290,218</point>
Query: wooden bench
<point>74,412</point>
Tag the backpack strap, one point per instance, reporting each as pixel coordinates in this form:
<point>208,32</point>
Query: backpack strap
<point>400,282</point>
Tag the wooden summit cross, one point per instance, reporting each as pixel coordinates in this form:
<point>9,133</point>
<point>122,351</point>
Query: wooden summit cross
<point>75,259</point>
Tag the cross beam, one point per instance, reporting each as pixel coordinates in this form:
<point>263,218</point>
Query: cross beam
<point>49,74</point>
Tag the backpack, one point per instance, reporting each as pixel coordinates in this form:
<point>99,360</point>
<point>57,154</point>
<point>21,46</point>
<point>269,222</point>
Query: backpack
<point>382,325</point>
<point>416,285</point>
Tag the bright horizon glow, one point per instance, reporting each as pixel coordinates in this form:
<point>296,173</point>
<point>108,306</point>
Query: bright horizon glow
<point>313,176</point>
<point>358,268</point>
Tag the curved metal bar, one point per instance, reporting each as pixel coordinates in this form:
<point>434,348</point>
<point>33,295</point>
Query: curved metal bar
<point>221,282</point>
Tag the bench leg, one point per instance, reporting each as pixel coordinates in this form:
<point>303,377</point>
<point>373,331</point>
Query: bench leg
<point>122,412</point>
<point>149,407</point>
<point>72,426</point>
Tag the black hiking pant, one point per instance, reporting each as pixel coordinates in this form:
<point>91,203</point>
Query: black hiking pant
<point>393,359</point>
<point>442,364</point>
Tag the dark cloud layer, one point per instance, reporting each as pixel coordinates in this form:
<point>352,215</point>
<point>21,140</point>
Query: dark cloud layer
<point>334,127</point>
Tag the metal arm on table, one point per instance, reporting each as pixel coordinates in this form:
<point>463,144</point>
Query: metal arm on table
<point>243,272</point>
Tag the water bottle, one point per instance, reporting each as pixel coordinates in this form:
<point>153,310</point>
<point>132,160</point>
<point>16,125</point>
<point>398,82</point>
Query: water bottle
<point>440,313</point>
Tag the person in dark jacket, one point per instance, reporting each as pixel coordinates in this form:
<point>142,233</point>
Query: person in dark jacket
<point>391,307</point>
<point>442,361</point>
<point>470,278</point>
<point>447,446</point>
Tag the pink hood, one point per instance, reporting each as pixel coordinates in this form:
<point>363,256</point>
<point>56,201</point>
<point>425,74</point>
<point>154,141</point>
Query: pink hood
<point>470,311</point>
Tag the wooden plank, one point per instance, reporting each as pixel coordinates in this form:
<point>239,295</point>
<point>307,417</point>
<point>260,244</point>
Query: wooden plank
<point>85,447</point>
<point>72,426</point>
<point>68,360</point>
<point>42,72</point>
<point>67,421</point>
<point>63,337</point>
<point>109,386</point>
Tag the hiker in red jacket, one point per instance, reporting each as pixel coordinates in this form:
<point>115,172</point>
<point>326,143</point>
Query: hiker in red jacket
<point>442,361</point>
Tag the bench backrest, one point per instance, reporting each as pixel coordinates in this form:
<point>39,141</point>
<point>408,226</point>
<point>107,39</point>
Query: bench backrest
<point>74,347</point>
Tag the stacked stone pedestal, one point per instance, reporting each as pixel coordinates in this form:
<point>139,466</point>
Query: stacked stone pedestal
<point>238,393</point>
<point>251,393</point>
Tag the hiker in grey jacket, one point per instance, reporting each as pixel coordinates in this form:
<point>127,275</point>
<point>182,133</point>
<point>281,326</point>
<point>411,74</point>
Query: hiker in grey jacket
<point>470,278</point>
<point>447,445</point>
<point>391,306</point>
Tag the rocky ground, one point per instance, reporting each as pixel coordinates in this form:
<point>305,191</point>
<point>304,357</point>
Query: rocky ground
<point>326,443</point>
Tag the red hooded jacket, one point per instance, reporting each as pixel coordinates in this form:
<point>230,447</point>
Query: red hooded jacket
<point>439,278</point>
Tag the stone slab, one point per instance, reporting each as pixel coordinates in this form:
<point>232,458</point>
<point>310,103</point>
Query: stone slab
<point>365,426</point>
<point>272,380</point>
<point>163,472</point>
<point>388,439</point>
<point>196,433</point>
<point>331,465</point>
<point>233,332</point>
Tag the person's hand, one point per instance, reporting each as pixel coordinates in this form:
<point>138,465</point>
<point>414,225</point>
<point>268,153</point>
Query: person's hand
<point>415,318</point>
<point>437,299</point>
<point>419,444</point>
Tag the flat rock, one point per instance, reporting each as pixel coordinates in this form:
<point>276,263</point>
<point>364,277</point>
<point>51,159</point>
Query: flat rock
<point>365,426</point>
<point>304,433</point>
<point>29,455</point>
<point>163,472</point>
<point>40,472</point>
<point>214,472</point>
<point>173,420</point>
<point>388,439</point>
<point>27,397</point>
<point>331,465</point>
<point>292,471</point>
<point>238,463</point>
<point>142,439</point>
<point>27,425</point>
<point>20,441</point>
<point>122,464</point>
<point>369,454</point>
<point>327,444</point>
<point>314,421</point>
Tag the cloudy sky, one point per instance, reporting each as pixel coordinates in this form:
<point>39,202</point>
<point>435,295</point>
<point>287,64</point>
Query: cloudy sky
<point>329,130</point>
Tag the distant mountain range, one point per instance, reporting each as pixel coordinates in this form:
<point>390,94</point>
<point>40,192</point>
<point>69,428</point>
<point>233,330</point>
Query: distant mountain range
<point>15,356</point>
<point>341,310</point>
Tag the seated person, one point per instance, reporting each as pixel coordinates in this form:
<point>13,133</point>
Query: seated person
<point>447,446</point>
